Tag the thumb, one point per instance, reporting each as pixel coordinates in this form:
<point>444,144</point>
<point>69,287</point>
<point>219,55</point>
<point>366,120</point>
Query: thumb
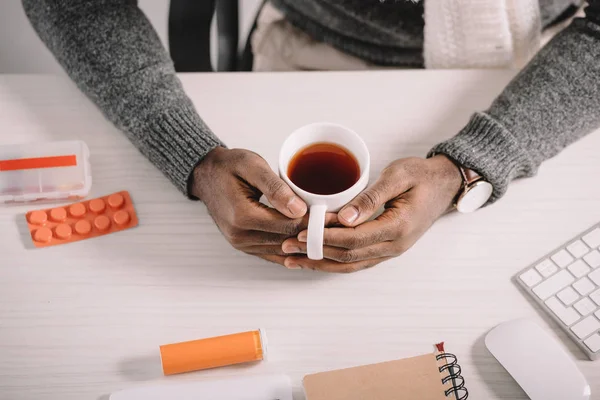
<point>363,206</point>
<point>279,194</point>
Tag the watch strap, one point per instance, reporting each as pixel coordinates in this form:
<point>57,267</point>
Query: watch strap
<point>469,177</point>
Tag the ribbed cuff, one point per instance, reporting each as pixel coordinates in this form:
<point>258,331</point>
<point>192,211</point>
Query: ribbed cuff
<point>176,142</point>
<point>485,146</point>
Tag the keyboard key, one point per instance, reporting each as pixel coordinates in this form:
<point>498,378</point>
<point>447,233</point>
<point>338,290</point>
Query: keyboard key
<point>584,286</point>
<point>592,239</point>
<point>585,306</point>
<point>562,258</point>
<point>586,327</point>
<point>555,283</point>
<point>578,249</point>
<point>593,259</point>
<point>593,342</point>
<point>566,315</point>
<point>579,269</point>
<point>595,276</point>
<point>568,296</point>
<point>596,297</point>
<point>531,278</point>
<point>546,268</point>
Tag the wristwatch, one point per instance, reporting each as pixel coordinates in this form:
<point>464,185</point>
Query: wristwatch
<point>474,192</point>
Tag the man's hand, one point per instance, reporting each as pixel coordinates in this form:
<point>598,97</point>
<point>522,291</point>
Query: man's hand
<point>230,183</point>
<point>414,191</point>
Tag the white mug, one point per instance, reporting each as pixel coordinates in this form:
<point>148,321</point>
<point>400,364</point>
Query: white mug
<point>319,204</point>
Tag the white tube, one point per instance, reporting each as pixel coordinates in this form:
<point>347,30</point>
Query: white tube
<point>269,387</point>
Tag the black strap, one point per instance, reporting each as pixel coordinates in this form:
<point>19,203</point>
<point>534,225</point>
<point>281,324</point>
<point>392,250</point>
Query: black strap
<point>189,34</point>
<point>228,29</point>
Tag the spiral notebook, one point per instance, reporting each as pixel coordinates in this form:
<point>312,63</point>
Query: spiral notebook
<point>434,376</point>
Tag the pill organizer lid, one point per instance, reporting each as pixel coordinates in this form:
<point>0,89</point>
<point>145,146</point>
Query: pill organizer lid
<point>44,171</point>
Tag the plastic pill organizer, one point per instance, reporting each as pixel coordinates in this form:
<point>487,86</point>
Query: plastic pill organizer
<point>44,171</point>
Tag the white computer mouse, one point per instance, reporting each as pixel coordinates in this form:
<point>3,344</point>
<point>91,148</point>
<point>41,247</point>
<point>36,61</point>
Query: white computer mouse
<point>537,361</point>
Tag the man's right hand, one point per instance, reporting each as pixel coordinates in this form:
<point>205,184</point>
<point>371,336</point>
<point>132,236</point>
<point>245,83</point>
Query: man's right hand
<point>231,183</point>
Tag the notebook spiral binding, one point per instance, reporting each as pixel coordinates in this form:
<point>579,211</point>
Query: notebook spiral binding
<point>453,370</point>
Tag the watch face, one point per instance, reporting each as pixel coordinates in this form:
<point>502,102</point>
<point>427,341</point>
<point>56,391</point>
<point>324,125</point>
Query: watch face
<point>475,197</point>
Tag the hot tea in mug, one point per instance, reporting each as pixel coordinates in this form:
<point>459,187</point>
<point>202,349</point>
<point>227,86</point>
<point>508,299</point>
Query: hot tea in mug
<point>324,168</point>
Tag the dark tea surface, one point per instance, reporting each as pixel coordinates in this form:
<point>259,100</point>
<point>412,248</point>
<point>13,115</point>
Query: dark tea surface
<point>324,168</point>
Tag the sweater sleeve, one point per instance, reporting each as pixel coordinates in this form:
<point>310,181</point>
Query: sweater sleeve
<point>551,103</point>
<point>110,50</point>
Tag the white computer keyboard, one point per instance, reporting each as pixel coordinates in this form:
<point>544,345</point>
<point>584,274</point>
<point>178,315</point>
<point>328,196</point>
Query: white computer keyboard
<point>566,283</point>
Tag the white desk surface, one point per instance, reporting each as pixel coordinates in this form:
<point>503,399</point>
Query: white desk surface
<point>83,320</point>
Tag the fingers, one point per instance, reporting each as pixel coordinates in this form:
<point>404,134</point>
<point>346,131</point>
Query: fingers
<point>388,226</point>
<point>272,258</point>
<point>347,256</point>
<point>326,265</point>
<point>259,175</point>
<point>258,250</point>
<point>258,217</point>
<point>389,185</point>
<point>262,218</point>
<point>243,239</point>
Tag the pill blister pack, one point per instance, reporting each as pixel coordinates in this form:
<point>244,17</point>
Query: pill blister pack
<point>83,220</point>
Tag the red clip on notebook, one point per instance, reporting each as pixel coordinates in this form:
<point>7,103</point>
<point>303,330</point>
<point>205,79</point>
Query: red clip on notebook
<point>435,376</point>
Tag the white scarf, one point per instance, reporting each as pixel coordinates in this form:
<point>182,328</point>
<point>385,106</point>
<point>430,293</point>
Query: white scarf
<point>481,33</point>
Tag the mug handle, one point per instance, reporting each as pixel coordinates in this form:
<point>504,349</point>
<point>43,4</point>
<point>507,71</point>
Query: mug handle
<point>316,229</point>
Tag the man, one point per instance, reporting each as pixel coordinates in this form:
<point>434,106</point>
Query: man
<point>111,51</point>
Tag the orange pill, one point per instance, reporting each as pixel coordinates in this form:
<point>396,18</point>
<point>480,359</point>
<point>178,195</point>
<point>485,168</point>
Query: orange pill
<point>213,352</point>
<point>121,217</point>
<point>116,200</point>
<point>97,206</point>
<point>63,231</point>
<point>102,223</point>
<point>42,235</point>
<point>77,210</point>
<point>83,227</point>
<point>58,214</point>
<point>38,217</point>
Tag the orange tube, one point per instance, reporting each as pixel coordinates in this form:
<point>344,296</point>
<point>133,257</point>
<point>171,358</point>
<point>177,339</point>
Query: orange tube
<point>213,352</point>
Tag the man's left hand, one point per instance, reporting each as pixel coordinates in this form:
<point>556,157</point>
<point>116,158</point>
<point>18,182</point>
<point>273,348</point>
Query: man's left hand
<point>415,193</point>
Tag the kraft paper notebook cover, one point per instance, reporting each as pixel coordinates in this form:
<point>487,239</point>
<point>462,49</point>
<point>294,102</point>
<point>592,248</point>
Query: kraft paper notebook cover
<point>435,376</point>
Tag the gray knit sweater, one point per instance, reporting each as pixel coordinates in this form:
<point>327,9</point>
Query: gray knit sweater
<point>110,50</point>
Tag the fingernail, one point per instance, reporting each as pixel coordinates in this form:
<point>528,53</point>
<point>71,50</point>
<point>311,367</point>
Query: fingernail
<point>291,249</point>
<point>296,206</point>
<point>303,236</point>
<point>349,214</point>
<point>291,265</point>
